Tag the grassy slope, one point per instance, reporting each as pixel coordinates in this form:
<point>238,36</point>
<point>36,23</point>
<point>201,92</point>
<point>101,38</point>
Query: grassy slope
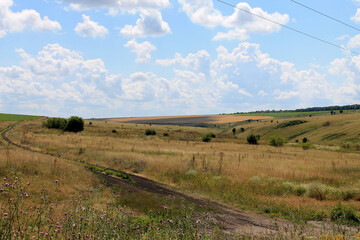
<point>16,117</point>
<point>291,114</point>
<point>340,129</point>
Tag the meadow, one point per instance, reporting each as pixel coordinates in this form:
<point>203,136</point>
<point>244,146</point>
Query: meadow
<point>16,117</point>
<point>290,182</point>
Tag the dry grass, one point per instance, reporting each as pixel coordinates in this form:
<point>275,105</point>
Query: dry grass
<point>258,177</point>
<point>191,119</point>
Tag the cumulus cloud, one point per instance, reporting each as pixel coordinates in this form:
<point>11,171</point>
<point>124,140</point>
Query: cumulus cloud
<point>354,42</point>
<point>89,28</point>
<point>356,17</point>
<point>142,50</point>
<point>17,21</point>
<point>240,23</point>
<point>60,82</point>
<point>150,24</point>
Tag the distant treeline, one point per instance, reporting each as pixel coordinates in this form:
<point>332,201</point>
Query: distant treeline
<point>311,109</point>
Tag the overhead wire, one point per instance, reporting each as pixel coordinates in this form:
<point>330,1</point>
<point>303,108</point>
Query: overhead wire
<point>325,15</point>
<point>290,28</point>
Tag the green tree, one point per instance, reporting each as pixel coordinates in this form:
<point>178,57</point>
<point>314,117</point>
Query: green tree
<point>74,124</point>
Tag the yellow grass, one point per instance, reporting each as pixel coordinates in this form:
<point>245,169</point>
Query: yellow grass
<point>240,174</point>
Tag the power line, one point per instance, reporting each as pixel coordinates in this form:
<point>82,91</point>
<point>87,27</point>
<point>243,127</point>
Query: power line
<point>292,29</point>
<point>325,15</point>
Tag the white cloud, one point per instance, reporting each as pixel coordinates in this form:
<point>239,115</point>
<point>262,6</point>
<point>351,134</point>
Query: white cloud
<point>81,5</point>
<point>240,23</point>
<point>17,21</point>
<point>356,17</point>
<point>142,50</point>
<point>90,28</point>
<point>354,42</point>
<point>150,23</point>
<point>60,82</point>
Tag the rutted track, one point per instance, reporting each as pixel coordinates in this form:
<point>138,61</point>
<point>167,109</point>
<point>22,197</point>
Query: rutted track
<point>234,221</point>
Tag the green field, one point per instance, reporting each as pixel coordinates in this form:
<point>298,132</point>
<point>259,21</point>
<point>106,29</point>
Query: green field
<point>16,117</point>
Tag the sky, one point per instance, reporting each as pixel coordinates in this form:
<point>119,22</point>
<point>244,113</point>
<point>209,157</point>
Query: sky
<point>127,58</point>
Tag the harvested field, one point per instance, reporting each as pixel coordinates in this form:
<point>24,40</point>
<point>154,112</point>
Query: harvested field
<point>191,120</point>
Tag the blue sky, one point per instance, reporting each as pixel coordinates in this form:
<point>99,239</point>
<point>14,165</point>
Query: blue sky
<point>119,58</point>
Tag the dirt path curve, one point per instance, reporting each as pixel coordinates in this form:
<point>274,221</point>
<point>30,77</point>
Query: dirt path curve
<point>234,221</point>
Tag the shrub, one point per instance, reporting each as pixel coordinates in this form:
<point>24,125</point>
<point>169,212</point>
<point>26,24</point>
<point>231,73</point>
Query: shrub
<point>316,190</point>
<point>211,135</point>
<point>305,140</point>
<point>242,129</point>
<point>306,145</point>
<point>234,131</point>
<point>276,141</point>
<point>114,131</point>
<point>150,132</point>
<point>290,123</point>
<point>341,213</point>
<point>206,138</point>
<point>166,134</point>
<point>253,139</point>
<point>75,124</point>
<point>57,123</point>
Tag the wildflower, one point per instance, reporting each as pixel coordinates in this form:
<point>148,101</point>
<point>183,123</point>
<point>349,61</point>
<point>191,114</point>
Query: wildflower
<point>4,178</point>
<point>56,181</point>
<point>165,207</point>
<point>123,224</point>
<point>6,214</point>
<point>87,235</point>
<point>28,183</point>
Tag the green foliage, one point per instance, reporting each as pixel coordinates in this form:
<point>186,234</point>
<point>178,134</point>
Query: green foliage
<point>276,141</point>
<point>234,131</point>
<point>166,134</point>
<point>114,131</point>
<point>74,124</point>
<point>344,214</point>
<point>242,129</point>
<point>149,132</point>
<point>305,140</point>
<point>316,190</point>
<point>253,139</point>
<point>290,123</point>
<point>206,138</point>
<point>56,123</point>
<point>307,146</point>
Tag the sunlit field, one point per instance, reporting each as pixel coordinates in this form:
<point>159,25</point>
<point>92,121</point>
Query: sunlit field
<point>287,182</point>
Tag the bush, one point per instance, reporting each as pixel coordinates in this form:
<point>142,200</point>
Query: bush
<point>276,141</point>
<point>316,190</point>
<point>305,140</point>
<point>290,123</point>
<point>306,145</point>
<point>149,132</point>
<point>114,131</point>
<point>57,123</point>
<point>242,129</point>
<point>75,124</point>
<point>253,139</point>
<point>166,134</point>
<point>206,138</point>
<point>341,213</point>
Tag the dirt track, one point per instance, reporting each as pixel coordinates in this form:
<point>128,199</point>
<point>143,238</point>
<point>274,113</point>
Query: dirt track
<point>234,221</point>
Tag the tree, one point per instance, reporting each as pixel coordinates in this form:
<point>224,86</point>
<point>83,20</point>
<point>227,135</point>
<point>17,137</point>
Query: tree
<point>242,129</point>
<point>74,124</point>
<point>234,131</point>
<point>253,139</point>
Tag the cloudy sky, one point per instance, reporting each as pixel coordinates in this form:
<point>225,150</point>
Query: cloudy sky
<point>113,58</point>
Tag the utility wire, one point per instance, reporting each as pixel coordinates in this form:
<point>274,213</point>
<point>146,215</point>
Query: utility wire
<point>290,28</point>
<point>325,15</point>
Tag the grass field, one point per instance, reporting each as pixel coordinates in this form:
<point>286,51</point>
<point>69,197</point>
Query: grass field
<point>287,182</point>
<point>16,117</point>
<point>293,114</point>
